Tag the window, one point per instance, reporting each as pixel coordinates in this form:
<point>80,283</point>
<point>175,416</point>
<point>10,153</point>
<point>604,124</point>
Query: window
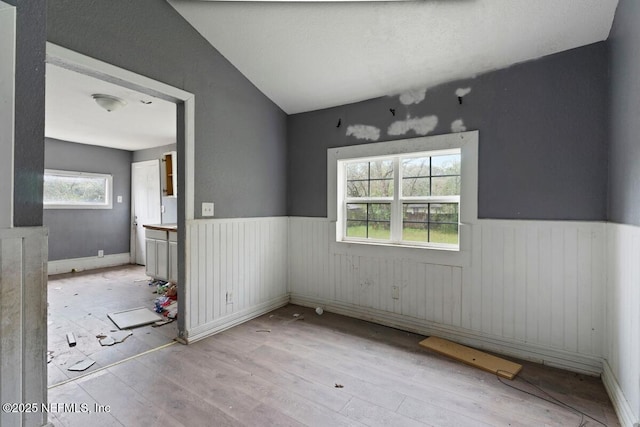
<point>404,199</point>
<point>77,190</point>
<point>415,193</point>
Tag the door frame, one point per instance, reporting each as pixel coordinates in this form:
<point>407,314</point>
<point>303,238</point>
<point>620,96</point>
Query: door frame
<point>185,103</point>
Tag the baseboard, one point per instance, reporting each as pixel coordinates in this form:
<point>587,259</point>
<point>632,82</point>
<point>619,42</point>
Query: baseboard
<point>620,403</point>
<point>234,319</point>
<point>88,263</point>
<point>590,365</point>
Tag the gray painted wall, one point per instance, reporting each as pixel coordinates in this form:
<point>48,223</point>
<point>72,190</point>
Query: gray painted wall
<point>624,149</point>
<point>543,137</point>
<point>170,214</point>
<point>29,123</point>
<point>240,135</point>
<point>77,233</point>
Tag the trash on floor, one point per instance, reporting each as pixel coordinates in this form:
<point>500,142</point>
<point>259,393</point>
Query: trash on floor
<point>319,311</point>
<point>167,304</point>
<point>339,385</point>
<point>473,357</point>
<point>113,337</point>
<point>82,365</point>
<point>161,323</point>
<point>71,339</point>
<point>263,330</point>
<point>49,356</point>
<point>133,317</point>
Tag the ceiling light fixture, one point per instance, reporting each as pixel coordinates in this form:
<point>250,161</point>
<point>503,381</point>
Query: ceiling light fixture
<point>108,102</point>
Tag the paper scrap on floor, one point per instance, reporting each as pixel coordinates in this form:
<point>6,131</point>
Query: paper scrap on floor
<point>82,365</point>
<point>133,317</point>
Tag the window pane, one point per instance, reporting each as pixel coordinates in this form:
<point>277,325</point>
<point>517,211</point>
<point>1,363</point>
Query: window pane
<point>417,166</point>
<point>415,187</point>
<point>443,212</point>
<point>356,228</point>
<point>379,230</point>
<point>382,188</point>
<point>443,233</point>
<point>357,188</point>
<point>381,169</point>
<point>59,189</point>
<point>357,171</point>
<point>357,211</point>
<point>445,185</point>
<point>445,165</point>
<point>415,212</point>
<point>379,212</point>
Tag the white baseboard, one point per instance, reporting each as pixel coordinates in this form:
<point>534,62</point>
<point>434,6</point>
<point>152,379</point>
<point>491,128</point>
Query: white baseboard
<point>88,263</point>
<point>590,365</point>
<point>620,403</point>
<point>234,319</point>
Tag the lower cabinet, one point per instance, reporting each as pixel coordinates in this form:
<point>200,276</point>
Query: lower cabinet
<point>161,254</point>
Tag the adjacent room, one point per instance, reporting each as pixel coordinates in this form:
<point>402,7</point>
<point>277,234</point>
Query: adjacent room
<point>385,212</point>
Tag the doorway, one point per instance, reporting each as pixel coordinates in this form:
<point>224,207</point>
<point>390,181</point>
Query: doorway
<point>145,206</point>
<point>184,102</point>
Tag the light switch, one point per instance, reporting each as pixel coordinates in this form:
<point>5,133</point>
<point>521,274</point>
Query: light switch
<point>207,209</point>
<point>119,199</point>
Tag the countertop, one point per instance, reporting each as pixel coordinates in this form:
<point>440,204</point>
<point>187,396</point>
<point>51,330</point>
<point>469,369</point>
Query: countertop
<point>162,227</point>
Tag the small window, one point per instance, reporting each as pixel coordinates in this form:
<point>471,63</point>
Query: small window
<point>77,190</point>
<point>410,199</point>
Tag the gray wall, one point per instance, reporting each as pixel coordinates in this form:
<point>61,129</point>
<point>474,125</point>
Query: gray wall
<point>29,122</point>
<point>624,149</point>
<point>240,134</point>
<point>77,233</point>
<point>543,137</point>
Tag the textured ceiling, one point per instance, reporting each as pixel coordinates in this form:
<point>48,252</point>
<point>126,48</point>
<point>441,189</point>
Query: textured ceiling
<point>308,56</point>
<point>72,114</point>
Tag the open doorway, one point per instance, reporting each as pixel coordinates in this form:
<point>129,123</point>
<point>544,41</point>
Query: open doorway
<point>82,295</point>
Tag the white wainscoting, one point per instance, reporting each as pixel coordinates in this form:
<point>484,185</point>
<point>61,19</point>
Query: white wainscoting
<point>245,258</point>
<point>23,332</point>
<point>532,289</point>
<point>622,350</point>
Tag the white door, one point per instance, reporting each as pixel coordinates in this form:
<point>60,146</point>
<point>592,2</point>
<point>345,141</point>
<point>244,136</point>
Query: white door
<point>145,205</point>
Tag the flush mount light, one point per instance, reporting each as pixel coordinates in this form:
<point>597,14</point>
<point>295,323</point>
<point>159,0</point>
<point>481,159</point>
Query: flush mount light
<point>108,102</point>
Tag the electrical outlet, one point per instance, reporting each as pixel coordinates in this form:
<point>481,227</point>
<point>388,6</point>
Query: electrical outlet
<point>395,292</point>
<point>229,297</point>
<point>119,199</point>
<point>100,253</point>
<point>207,209</point>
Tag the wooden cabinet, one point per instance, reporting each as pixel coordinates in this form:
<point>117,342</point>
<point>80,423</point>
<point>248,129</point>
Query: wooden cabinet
<point>170,174</point>
<point>162,254</point>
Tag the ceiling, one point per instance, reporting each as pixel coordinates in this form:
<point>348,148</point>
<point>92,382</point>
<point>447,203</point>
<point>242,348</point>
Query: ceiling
<point>308,56</point>
<point>71,114</point>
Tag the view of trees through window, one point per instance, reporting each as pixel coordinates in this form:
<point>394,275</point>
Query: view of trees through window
<point>75,188</point>
<point>429,196</point>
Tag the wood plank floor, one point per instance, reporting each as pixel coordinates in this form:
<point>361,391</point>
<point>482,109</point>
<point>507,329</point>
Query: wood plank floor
<point>329,370</point>
<point>79,303</point>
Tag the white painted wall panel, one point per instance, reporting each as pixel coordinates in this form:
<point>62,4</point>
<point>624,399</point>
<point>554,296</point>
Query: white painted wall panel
<point>532,288</point>
<point>246,257</point>
<point>622,350</point>
<point>23,310</point>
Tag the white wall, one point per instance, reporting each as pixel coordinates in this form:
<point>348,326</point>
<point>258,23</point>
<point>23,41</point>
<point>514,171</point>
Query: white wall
<point>622,349</point>
<point>7,74</point>
<point>244,256</point>
<point>533,289</point>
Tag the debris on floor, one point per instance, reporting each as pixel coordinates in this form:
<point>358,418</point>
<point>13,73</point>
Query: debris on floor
<point>339,385</point>
<point>263,330</point>
<point>113,337</point>
<point>167,304</point>
<point>133,317</point>
<point>49,356</point>
<point>71,339</point>
<point>82,365</point>
<point>319,311</point>
<point>473,357</point>
<point>162,323</point>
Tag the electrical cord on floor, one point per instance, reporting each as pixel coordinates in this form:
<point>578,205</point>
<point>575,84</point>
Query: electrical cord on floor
<point>551,399</point>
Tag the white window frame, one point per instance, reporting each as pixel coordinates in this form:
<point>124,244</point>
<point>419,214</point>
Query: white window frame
<point>108,204</point>
<point>467,142</point>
